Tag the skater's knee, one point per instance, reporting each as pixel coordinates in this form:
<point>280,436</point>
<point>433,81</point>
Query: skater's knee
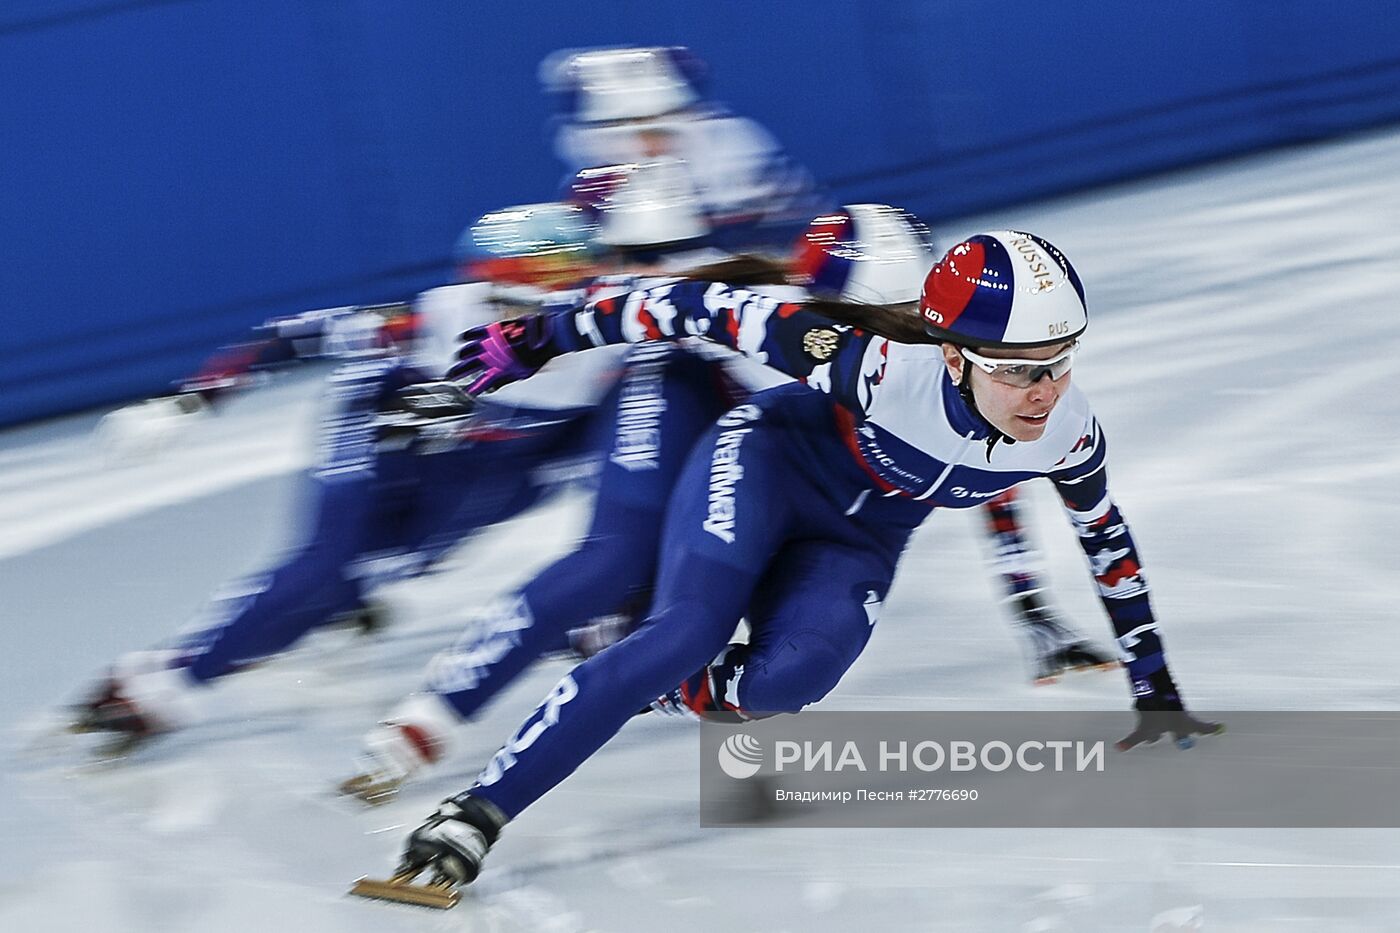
<point>783,678</point>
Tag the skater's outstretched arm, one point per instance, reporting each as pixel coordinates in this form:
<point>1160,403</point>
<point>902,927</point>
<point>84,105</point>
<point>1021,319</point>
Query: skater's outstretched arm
<point>801,339</point>
<point>143,427</point>
<point>328,332</point>
<point>1082,483</point>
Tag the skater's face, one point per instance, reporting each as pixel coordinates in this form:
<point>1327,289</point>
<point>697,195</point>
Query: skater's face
<point>1020,413</point>
<point>655,143</point>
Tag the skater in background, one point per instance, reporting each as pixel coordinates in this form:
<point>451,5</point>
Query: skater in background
<point>509,256</point>
<point>620,106</point>
<point>408,468</point>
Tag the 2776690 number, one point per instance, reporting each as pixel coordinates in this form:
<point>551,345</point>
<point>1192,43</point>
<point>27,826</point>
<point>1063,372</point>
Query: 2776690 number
<point>941,794</point>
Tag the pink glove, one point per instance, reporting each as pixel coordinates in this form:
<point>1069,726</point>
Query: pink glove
<point>498,354</point>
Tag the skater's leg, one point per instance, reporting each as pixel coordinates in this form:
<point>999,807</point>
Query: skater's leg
<point>266,613</point>
<point>664,403</point>
<point>709,569</point>
<point>818,606</point>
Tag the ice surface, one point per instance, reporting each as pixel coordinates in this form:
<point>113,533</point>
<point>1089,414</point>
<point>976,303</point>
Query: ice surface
<point>1241,359</point>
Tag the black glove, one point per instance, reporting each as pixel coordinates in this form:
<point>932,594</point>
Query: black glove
<point>1160,710</point>
<point>455,839</point>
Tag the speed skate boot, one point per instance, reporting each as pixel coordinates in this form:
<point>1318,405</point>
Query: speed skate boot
<point>140,699</point>
<point>415,735</point>
<point>108,710</point>
<point>1056,649</point>
<point>690,700</point>
<point>451,845</point>
<point>703,695</point>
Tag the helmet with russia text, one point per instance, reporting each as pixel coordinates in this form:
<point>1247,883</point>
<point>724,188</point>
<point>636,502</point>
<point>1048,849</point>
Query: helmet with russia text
<point>867,253</point>
<point>1003,289</point>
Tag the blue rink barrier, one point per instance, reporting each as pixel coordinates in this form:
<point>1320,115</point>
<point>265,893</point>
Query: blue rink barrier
<point>176,171</point>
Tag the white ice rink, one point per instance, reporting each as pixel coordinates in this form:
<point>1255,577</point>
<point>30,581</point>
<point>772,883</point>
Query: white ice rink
<point>1244,359</point>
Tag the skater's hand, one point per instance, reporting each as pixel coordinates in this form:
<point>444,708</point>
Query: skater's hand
<point>1160,710</point>
<point>498,354</point>
<point>450,843</point>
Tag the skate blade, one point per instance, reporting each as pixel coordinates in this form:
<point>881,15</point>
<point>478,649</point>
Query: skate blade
<point>100,747</point>
<point>1189,741</point>
<point>46,740</point>
<point>115,748</point>
<point>1056,677</point>
<point>439,895</point>
<point>368,790</point>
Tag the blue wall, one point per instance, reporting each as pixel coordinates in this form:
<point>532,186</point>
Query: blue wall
<point>175,171</point>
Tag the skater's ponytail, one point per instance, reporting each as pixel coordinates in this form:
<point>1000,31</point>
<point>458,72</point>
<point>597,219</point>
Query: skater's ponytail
<point>744,269</point>
<point>899,322</point>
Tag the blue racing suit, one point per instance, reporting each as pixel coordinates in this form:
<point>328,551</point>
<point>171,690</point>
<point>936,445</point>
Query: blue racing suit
<point>794,509</point>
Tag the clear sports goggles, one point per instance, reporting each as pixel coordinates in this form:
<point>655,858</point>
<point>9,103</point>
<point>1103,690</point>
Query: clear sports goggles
<point>1023,373</point>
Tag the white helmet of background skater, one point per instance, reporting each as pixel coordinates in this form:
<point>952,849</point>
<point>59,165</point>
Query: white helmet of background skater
<point>867,253</point>
<point>610,85</point>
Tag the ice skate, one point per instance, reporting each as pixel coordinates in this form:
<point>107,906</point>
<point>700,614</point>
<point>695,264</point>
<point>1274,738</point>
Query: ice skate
<point>140,700</point>
<point>695,698</point>
<point>1056,649</point>
<point>109,711</point>
<point>1075,656</point>
<point>674,703</point>
<point>452,844</point>
<point>415,736</point>
<point>440,893</point>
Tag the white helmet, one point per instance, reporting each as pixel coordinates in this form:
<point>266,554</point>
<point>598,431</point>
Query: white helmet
<point>602,85</point>
<point>643,204</point>
<point>868,253</point>
<point>1004,289</point>
<point>529,244</point>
